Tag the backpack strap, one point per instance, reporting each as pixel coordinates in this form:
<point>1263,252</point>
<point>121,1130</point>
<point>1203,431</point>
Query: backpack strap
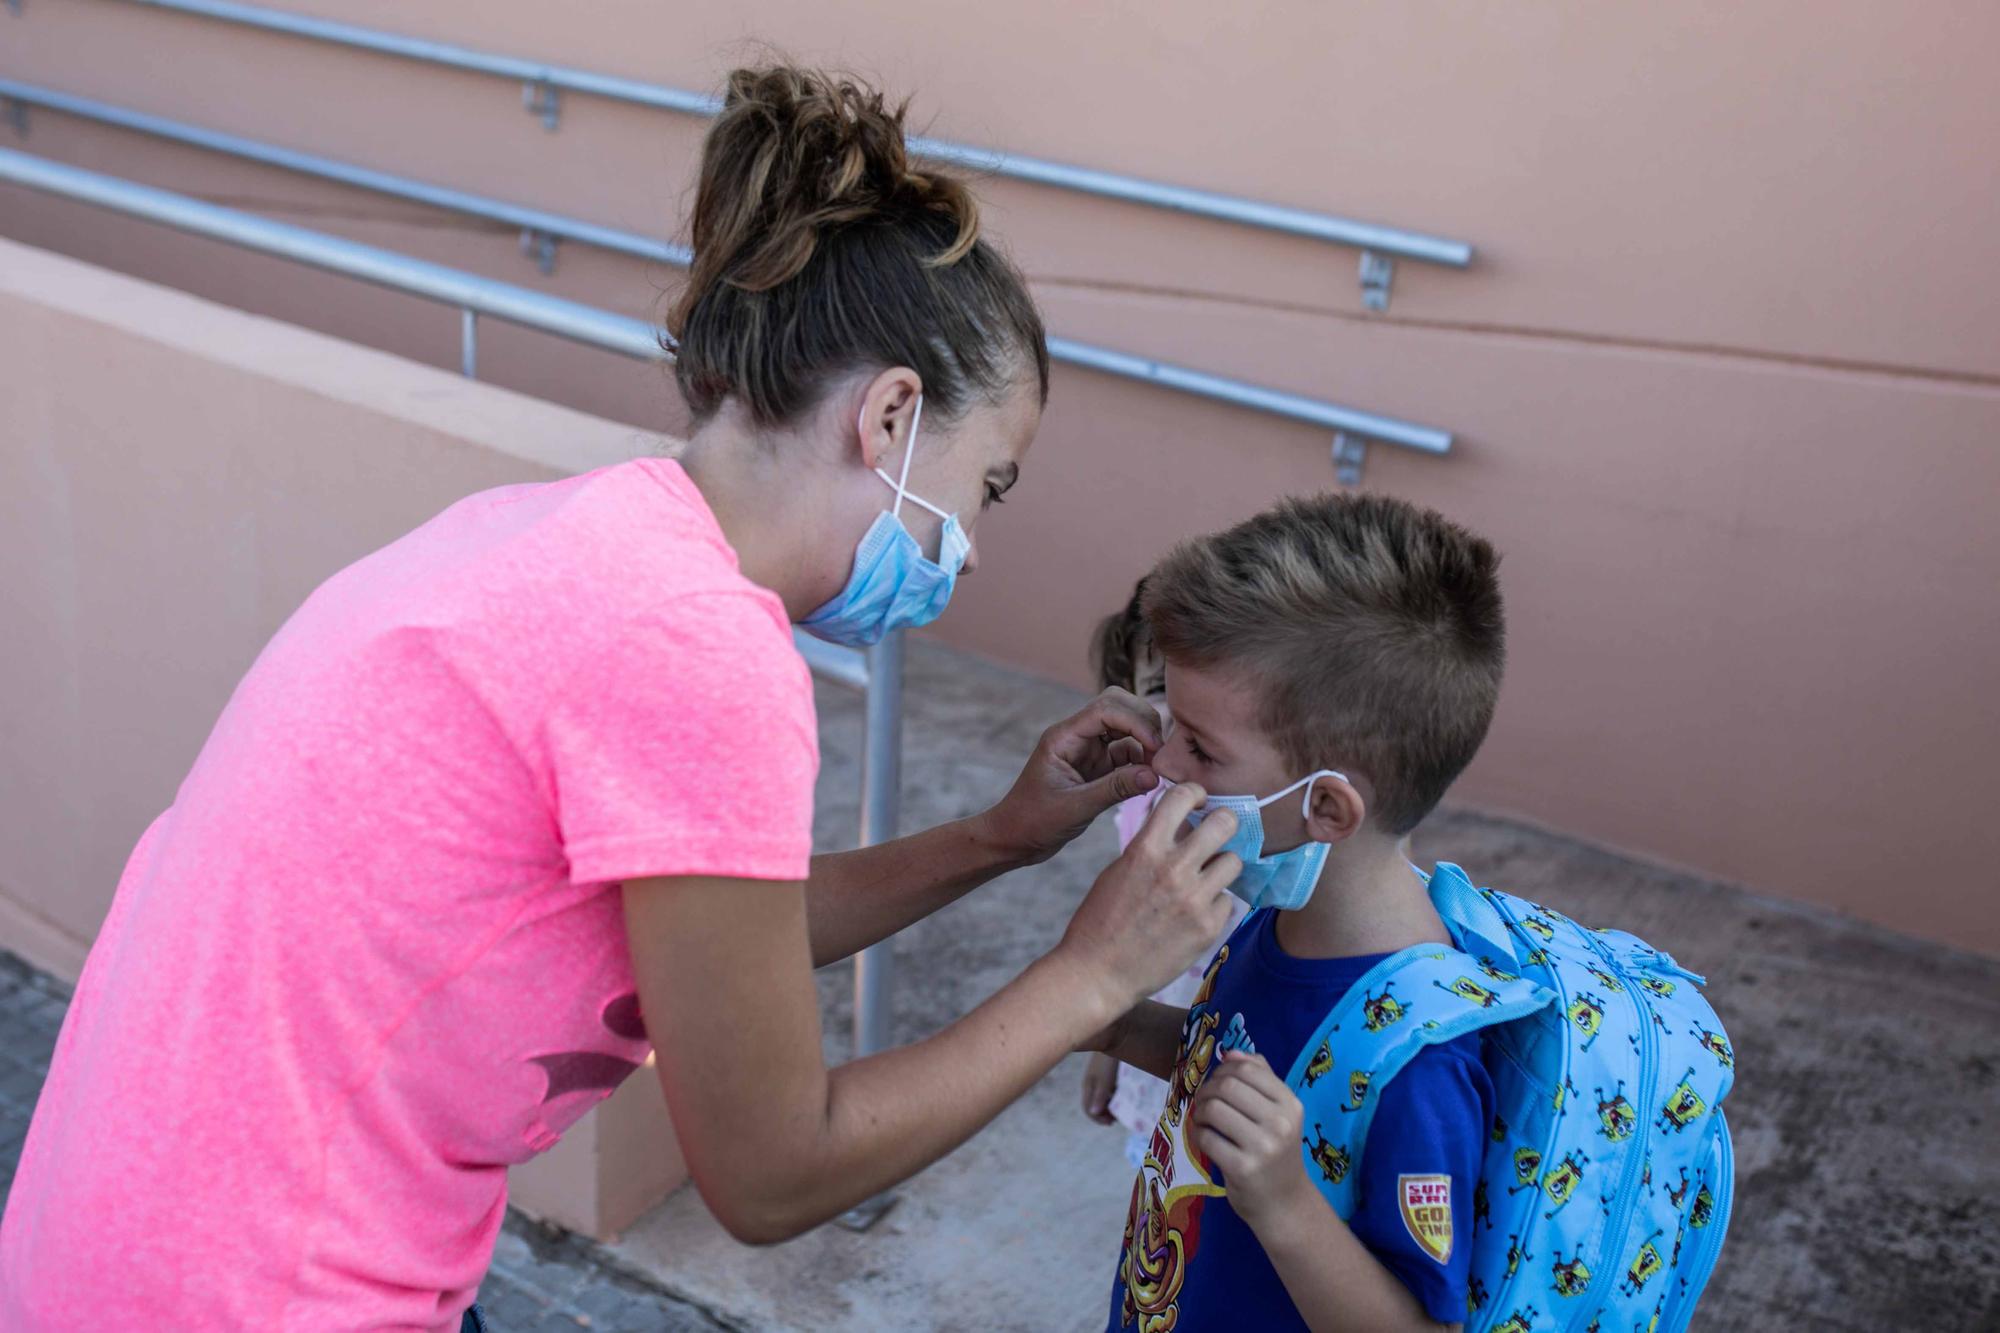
<point>1426,994</point>
<point>1470,916</point>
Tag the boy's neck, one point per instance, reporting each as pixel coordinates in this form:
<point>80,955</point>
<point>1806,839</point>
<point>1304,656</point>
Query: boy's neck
<point>1368,901</point>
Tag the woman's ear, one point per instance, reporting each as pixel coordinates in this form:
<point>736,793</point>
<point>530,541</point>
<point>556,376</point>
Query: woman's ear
<point>1335,811</point>
<point>888,409</point>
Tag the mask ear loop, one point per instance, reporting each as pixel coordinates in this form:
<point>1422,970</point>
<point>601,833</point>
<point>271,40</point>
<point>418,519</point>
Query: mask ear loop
<point>909,453</point>
<point>1305,806</point>
<point>902,482</point>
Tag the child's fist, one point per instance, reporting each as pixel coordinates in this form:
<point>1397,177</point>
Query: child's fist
<point>1248,1123</point>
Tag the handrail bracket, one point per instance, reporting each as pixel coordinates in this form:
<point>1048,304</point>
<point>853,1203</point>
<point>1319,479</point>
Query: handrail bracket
<point>541,98</point>
<point>1350,451</point>
<point>540,246</point>
<point>1377,272</point>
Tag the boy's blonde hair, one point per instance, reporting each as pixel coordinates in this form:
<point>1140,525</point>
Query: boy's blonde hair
<point>1372,628</point>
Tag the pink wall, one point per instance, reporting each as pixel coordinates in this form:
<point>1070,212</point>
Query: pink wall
<point>1726,373</point>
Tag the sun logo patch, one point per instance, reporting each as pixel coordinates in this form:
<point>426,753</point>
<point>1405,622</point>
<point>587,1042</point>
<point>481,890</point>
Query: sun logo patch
<point>1426,1208</point>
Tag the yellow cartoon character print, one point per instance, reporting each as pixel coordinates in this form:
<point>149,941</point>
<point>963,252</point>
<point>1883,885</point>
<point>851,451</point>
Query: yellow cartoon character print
<point>1684,1105</point>
<point>1173,1183</point>
<point>1465,988</point>
<point>1571,1277</point>
<point>1321,1064</point>
<point>1381,1011</point>
<point>1331,1159</point>
<point>1645,1266</point>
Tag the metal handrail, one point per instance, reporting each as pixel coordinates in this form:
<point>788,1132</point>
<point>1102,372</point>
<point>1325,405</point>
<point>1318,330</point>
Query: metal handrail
<point>541,81</point>
<point>843,666</point>
<point>1341,420</point>
<point>533,222</point>
<point>384,268</point>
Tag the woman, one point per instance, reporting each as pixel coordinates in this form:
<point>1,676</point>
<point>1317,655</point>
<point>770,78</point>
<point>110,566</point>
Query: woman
<point>528,793</point>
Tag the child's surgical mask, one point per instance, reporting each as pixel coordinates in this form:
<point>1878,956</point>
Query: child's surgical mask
<point>1284,880</point>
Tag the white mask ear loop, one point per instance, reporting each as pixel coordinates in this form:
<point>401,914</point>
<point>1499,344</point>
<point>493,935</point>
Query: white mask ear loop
<point>902,483</point>
<point>901,486</point>
<point>1305,806</point>
<point>909,453</point>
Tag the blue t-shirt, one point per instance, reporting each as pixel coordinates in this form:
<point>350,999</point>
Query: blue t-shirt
<point>1191,1262</point>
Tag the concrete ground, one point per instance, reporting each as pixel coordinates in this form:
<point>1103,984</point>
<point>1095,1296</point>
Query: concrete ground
<point>1866,1115</point>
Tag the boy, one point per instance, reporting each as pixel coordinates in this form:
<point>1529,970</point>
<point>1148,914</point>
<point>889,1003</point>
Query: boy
<point>1336,660</point>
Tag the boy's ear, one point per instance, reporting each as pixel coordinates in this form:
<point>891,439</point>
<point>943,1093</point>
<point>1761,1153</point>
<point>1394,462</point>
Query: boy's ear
<point>1336,811</point>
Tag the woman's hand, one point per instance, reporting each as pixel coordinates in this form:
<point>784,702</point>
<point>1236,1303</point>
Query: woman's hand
<point>1100,1080</point>
<point>1081,767</point>
<point>1159,907</point>
<point>1249,1123</point>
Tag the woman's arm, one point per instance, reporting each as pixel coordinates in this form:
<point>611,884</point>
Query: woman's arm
<point>777,1142</point>
<point>859,897</point>
<point>1081,767</point>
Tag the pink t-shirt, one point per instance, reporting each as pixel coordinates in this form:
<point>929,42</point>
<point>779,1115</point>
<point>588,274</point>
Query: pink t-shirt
<point>374,951</point>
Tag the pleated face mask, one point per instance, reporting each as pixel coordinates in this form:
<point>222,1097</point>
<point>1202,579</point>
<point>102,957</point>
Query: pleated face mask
<point>894,585</point>
<point>1284,880</point>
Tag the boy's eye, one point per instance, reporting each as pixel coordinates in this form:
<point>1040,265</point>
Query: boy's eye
<point>1201,755</point>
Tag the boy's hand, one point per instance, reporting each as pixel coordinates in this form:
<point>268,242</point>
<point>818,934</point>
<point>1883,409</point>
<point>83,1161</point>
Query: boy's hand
<point>1081,767</point>
<point>1248,1123</point>
<point>1100,1080</point>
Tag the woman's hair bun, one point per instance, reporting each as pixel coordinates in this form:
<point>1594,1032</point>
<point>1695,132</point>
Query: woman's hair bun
<point>818,248</point>
<point>796,153</point>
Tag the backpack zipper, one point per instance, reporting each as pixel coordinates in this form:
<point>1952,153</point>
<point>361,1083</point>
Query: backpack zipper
<point>1497,1302</point>
<point>1711,1242</point>
<point>1620,1221</point>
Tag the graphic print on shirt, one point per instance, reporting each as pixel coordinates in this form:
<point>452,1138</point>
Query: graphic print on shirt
<point>1235,1037</point>
<point>595,1071</point>
<point>1425,1202</point>
<point>1163,1223</point>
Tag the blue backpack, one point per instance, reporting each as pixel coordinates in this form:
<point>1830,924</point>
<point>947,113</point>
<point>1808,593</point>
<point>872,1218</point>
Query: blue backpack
<point>1606,1187</point>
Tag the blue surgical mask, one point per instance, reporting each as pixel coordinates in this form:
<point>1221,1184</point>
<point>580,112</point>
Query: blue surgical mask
<point>1284,880</point>
<point>894,584</point>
